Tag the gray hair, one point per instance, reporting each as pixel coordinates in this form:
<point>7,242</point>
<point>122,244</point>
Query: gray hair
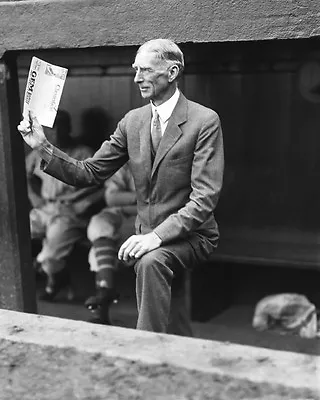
<point>165,50</point>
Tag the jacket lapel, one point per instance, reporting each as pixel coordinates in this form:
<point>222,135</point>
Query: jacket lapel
<point>172,132</point>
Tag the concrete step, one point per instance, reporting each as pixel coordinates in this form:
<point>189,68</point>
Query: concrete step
<point>48,358</point>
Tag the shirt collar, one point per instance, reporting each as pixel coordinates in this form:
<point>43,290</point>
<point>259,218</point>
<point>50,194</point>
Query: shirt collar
<point>165,109</point>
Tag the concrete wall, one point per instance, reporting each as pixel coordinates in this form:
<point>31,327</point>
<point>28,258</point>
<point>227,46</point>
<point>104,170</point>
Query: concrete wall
<point>45,358</point>
<point>91,23</point>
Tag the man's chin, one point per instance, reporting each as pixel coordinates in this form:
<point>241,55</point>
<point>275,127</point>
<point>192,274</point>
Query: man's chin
<point>145,94</point>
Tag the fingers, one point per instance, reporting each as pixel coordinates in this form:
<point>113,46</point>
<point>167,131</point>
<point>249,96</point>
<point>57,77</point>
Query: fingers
<point>129,248</point>
<point>138,245</point>
<point>135,250</point>
<point>129,251</point>
<point>123,249</point>
<point>33,119</point>
<point>140,253</point>
<point>24,127</point>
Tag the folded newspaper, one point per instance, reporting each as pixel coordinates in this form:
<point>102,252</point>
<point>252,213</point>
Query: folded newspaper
<point>43,91</point>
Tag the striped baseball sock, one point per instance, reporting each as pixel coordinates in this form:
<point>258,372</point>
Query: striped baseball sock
<point>105,252</point>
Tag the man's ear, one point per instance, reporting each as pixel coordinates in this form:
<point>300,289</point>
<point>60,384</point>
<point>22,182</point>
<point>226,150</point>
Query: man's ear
<point>173,72</point>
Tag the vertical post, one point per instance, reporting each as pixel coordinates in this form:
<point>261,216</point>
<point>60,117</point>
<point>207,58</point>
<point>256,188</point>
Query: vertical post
<point>17,280</point>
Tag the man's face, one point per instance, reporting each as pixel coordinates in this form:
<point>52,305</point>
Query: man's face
<point>152,77</point>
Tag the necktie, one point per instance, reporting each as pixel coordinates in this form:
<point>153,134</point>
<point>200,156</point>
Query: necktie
<point>156,134</point>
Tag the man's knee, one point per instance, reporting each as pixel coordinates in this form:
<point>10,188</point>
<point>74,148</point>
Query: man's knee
<point>51,266</point>
<point>153,264</point>
<point>93,228</point>
<point>37,227</point>
<point>102,225</point>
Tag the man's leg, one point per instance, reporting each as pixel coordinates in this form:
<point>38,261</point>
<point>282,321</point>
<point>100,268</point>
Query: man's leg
<point>38,223</point>
<point>104,232</point>
<point>179,320</point>
<point>38,226</point>
<point>160,309</point>
<point>153,291</point>
<point>103,259</point>
<point>62,233</point>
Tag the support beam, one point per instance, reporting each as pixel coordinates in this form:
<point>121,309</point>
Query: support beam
<point>94,23</point>
<point>17,283</point>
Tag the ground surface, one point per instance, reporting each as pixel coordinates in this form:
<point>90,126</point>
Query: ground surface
<point>34,373</point>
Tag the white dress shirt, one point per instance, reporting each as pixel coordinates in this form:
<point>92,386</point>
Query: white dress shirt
<point>165,110</point>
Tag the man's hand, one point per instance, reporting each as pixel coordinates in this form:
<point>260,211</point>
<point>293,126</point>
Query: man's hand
<point>138,245</point>
<point>31,131</point>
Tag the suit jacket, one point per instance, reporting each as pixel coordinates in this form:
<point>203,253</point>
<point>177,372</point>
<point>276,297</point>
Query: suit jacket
<point>176,193</point>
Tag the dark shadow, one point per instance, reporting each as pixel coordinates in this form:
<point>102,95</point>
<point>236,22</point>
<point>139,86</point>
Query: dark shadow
<point>94,127</point>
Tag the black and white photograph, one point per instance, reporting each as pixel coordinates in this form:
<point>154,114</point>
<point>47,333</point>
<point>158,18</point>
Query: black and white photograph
<point>160,200</point>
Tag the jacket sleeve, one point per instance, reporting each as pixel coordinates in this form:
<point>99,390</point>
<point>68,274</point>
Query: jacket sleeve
<point>92,171</point>
<point>206,183</point>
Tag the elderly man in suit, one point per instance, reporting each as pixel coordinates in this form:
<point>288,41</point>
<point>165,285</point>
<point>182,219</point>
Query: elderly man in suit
<point>174,148</point>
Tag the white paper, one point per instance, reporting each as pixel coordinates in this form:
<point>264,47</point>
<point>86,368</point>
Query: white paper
<point>43,91</point>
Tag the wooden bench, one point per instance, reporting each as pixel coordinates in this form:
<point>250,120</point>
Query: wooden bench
<point>240,249</point>
<point>281,247</point>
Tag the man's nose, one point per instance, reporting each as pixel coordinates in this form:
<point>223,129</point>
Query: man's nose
<point>138,77</point>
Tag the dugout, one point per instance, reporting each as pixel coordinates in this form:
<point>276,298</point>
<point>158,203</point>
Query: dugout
<point>258,67</point>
